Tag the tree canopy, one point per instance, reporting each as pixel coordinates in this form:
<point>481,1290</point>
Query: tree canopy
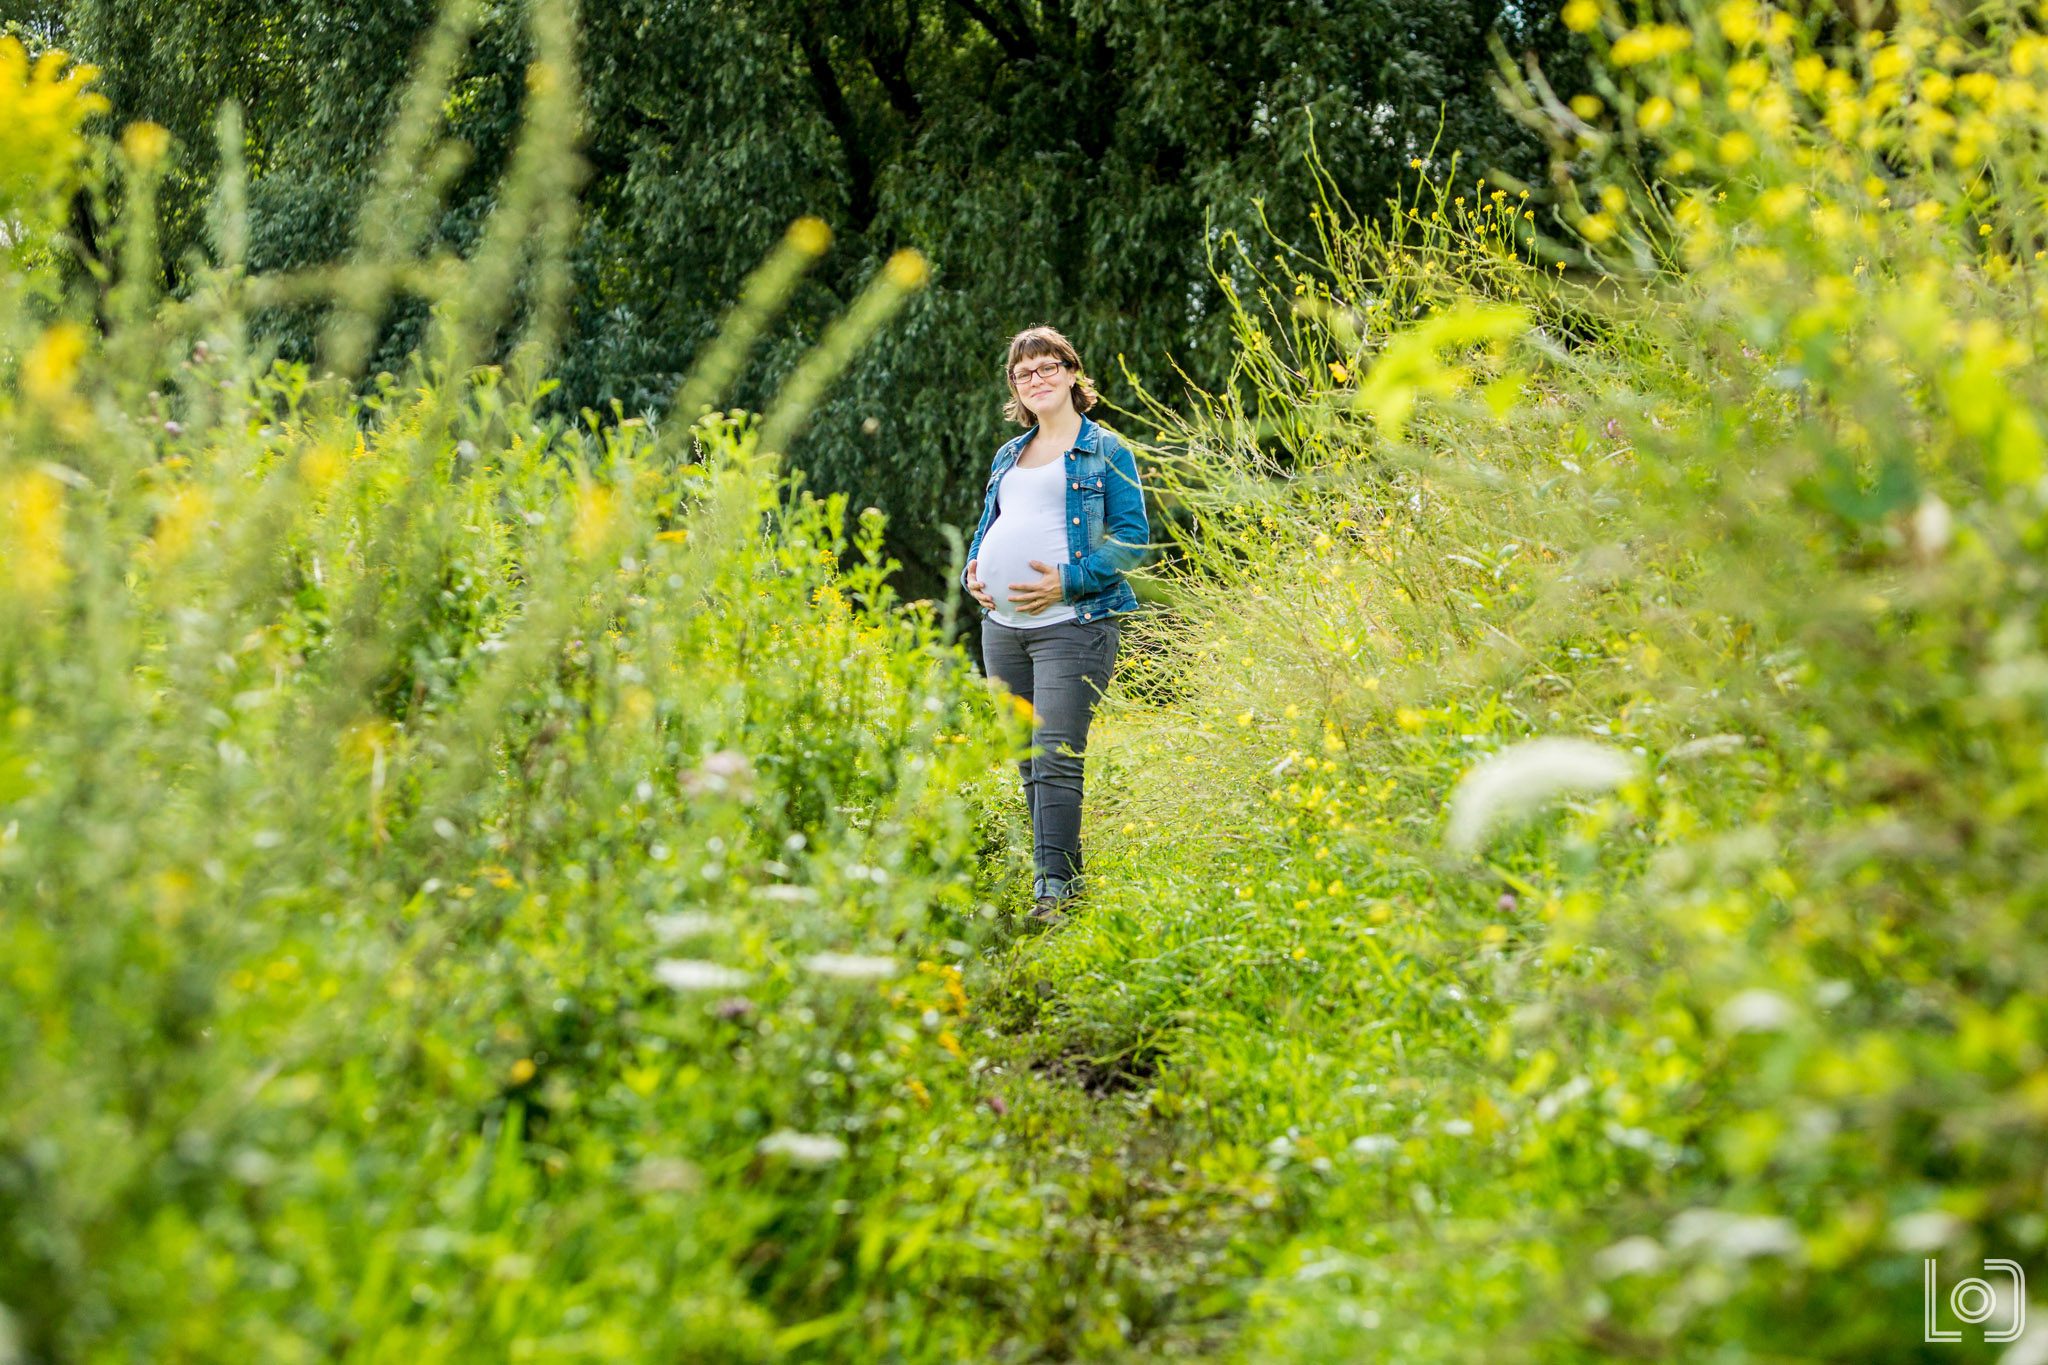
<point>1061,161</point>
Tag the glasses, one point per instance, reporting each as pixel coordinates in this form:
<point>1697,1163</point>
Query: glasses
<point>1044,370</point>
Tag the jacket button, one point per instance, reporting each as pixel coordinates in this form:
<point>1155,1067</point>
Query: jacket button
<point>1077,521</point>
<point>1077,554</point>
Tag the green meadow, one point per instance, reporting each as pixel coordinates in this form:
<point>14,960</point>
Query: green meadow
<point>480,881</point>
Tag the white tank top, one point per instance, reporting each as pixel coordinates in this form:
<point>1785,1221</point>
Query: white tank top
<point>1031,523</point>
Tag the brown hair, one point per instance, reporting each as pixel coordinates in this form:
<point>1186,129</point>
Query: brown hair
<point>1038,341</point>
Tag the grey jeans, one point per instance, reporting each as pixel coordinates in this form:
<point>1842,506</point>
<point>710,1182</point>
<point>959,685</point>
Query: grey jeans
<point>1062,670</point>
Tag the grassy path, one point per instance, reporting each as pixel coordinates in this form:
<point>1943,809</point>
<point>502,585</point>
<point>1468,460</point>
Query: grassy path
<point>1107,1041</point>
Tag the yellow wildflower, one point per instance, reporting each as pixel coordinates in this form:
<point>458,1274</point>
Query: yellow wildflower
<point>42,112</point>
<point>1738,20</point>
<point>1648,43</point>
<point>1735,147</point>
<point>32,532</point>
<point>594,506</point>
<point>52,363</point>
<point>1781,202</point>
<point>144,143</point>
<point>907,269</point>
<point>1582,16</point>
<point>1891,63</point>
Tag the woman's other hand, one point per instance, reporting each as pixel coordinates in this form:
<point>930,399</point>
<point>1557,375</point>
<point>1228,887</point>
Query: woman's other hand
<point>977,589</point>
<point>1036,596</point>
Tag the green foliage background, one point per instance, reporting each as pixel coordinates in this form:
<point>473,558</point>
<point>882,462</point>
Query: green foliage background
<point>1063,162</point>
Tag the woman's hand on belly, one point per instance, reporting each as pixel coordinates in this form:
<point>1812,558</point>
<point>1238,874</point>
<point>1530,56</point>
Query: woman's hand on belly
<point>978,589</point>
<point>1037,596</point>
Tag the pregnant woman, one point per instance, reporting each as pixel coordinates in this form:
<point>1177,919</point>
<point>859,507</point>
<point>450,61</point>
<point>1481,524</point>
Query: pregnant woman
<point>1062,521</point>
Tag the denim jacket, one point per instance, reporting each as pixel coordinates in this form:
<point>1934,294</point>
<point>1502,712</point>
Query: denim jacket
<point>1107,533</point>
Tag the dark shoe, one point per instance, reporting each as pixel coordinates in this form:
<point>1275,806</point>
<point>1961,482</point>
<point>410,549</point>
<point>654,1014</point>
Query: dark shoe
<point>1046,911</point>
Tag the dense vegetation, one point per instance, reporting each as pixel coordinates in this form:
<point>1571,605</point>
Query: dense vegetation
<point>1095,146</point>
<point>1566,865</point>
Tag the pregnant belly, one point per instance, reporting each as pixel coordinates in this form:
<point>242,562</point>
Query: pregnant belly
<point>1006,554</point>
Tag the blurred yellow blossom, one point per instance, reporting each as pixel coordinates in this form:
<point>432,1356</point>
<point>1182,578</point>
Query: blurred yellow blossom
<point>43,107</point>
<point>1891,63</point>
<point>1738,21</point>
<point>144,143</point>
<point>52,363</point>
<point>1735,147</point>
<point>1582,16</point>
<point>595,505</point>
<point>32,532</point>
<point>179,524</point>
<point>1647,44</point>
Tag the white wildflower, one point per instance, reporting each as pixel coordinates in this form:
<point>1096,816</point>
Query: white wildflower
<point>1629,1256</point>
<point>689,974</point>
<point>779,891</point>
<point>1737,1236</point>
<point>1932,525</point>
<point>1522,778</point>
<point>2018,678</point>
<point>1928,1230</point>
<point>852,966</point>
<point>1562,1098</point>
<point>1755,1011</point>
<point>666,1173</point>
<point>1830,993</point>
<point>681,924</point>
<point>251,1166</point>
<point>1373,1144</point>
<point>725,773</point>
<point>1706,746</point>
<point>802,1149</point>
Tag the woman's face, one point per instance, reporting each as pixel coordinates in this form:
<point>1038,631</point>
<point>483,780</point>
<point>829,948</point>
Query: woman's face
<point>1043,384</point>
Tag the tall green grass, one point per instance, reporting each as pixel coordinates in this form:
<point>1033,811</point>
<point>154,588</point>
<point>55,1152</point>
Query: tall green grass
<point>1730,474</point>
<point>472,885</point>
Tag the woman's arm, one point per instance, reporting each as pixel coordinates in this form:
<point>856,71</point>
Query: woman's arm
<point>988,507</point>
<point>1126,534</point>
